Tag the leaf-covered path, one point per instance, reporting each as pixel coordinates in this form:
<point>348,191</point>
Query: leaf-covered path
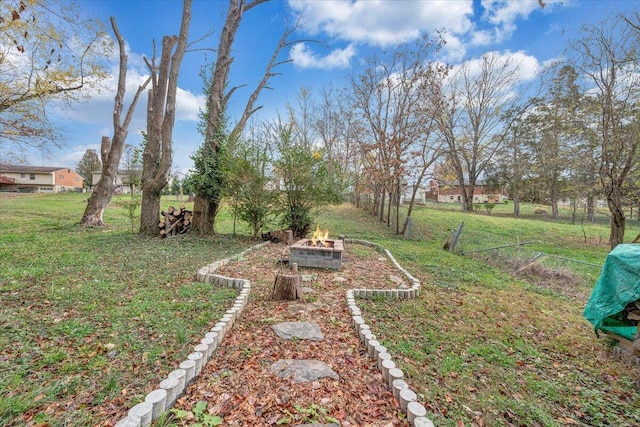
<point>237,383</point>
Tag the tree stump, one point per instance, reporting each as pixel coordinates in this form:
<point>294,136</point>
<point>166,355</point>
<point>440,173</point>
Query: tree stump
<point>287,287</point>
<point>289,235</point>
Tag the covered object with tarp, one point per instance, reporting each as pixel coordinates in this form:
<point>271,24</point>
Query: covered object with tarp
<point>614,305</point>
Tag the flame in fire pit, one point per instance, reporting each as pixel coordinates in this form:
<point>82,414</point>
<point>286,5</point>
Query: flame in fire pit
<point>319,237</point>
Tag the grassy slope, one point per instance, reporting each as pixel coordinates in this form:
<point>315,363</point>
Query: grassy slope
<point>486,347</point>
<point>92,319</point>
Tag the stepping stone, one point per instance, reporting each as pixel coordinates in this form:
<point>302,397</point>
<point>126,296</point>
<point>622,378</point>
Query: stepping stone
<point>302,371</point>
<point>298,330</point>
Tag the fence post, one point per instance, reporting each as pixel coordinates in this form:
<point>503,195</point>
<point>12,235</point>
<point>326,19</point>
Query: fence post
<point>456,236</point>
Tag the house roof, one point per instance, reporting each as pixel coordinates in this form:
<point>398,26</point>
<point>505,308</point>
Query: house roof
<point>4,168</point>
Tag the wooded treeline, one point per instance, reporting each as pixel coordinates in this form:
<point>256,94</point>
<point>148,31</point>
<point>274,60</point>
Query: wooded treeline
<point>568,131</point>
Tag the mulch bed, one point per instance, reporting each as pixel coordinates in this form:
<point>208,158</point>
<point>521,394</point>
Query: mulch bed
<point>237,383</point>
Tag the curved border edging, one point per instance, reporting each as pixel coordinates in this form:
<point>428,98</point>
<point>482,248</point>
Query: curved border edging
<point>171,388</point>
<point>416,413</point>
<point>399,293</point>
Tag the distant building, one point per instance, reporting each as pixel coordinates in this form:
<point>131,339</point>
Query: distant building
<point>123,180</point>
<point>422,193</point>
<point>482,193</point>
<point>39,179</point>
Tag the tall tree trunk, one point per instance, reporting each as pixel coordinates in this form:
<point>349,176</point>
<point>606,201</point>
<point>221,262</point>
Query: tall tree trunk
<point>398,197</point>
<point>158,150</point>
<point>103,190</point>
<point>411,203</point>
<point>516,205</point>
<point>111,150</point>
<point>382,201</point>
<point>204,217</point>
<point>205,210</point>
<point>389,204</point>
<point>554,208</point>
<point>591,207</point>
<point>617,223</point>
<point>467,196</point>
<point>375,201</point>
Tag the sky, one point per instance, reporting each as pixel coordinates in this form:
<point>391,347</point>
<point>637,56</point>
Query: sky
<point>333,37</point>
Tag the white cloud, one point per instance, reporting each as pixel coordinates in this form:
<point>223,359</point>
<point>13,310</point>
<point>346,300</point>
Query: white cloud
<point>505,13</point>
<point>188,105</point>
<point>520,69</point>
<point>386,23</point>
<point>303,57</point>
<point>383,23</point>
<point>454,49</point>
<point>502,16</point>
<point>529,67</point>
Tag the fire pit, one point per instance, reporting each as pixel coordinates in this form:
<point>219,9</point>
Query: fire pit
<point>319,252</point>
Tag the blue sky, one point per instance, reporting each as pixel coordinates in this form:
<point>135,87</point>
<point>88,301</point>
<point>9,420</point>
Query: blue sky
<point>346,31</point>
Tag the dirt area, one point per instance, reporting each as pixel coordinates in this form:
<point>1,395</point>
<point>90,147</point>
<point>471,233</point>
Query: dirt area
<point>237,383</point>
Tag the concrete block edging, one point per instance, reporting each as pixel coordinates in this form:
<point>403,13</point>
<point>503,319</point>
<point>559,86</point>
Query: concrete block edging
<point>407,398</point>
<point>144,413</point>
<point>162,399</point>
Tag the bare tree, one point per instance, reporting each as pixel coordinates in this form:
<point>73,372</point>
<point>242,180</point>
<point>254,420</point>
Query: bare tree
<point>553,127</point>
<point>301,115</point>
<point>111,150</point>
<point>47,53</point>
<point>512,165</point>
<point>471,122</point>
<point>606,55</point>
<point>207,200</point>
<point>161,115</point>
<point>392,96</point>
<point>338,127</point>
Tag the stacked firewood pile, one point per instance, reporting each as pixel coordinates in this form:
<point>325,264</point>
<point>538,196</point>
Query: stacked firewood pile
<point>632,312</point>
<point>175,221</point>
<point>629,316</point>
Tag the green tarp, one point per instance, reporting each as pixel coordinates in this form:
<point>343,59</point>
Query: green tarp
<point>617,286</point>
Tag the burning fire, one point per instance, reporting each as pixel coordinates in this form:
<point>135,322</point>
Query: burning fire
<point>319,237</point>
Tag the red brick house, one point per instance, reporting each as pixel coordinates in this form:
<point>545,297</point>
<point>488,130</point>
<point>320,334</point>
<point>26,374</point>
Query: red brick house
<point>39,179</point>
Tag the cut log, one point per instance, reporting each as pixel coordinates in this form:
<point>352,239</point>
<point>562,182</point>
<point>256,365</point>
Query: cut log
<point>279,236</point>
<point>175,221</point>
<point>287,287</point>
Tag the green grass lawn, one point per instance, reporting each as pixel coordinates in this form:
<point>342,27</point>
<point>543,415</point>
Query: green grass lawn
<point>93,319</point>
<point>485,346</point>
